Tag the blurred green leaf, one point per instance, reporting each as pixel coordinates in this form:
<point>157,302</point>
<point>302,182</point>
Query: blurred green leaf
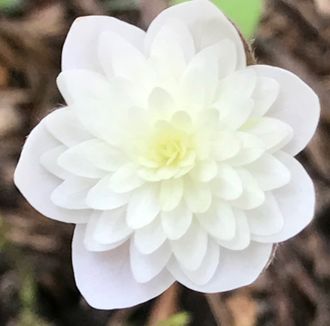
<point>180,319</point>
<point>245,14</point>
<point>28,290</point>
<point>29,318</point>
<point>28,294</point>
<point>9,5</point>
<point>122,5</point>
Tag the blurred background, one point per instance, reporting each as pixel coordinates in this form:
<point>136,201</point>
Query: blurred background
<point>36,280</point>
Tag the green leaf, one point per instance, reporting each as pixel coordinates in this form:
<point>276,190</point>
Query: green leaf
<point>122,5</point>
<point>9,5</point>
<point>29,318</point>
<point>245,14</point>
<point>179,319</point>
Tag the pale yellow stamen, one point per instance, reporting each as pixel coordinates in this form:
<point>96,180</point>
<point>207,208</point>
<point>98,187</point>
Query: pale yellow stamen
<point>168,147</point>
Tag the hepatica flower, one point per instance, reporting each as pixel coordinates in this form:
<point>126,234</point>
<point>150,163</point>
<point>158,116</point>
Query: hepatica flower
<point>173,158</point>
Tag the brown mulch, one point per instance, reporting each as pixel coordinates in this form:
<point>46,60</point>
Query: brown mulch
<point>36,281</point>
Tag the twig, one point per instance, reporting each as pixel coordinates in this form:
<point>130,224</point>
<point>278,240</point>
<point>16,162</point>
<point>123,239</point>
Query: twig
<point>150,9</point>
<point>89,7</point>
<point>119,318</point>
<point>219,310</point>
<point>165,306</point>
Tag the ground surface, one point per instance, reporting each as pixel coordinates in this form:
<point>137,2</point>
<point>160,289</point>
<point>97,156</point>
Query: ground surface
<point>36,281</point>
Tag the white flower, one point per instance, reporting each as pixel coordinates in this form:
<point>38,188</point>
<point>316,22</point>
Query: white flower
<point>174,158</point>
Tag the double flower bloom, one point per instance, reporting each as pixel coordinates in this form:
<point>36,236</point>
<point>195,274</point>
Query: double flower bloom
<point>173,158</point>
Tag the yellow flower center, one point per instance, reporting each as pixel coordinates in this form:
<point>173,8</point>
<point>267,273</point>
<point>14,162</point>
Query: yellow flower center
<point>168,147</point>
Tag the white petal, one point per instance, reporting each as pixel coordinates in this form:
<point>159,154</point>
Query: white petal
<point>91,159</point>
<point>156,175</point>
<point>103,198</point>
<point>173,33</point>
<point>207,269</point>
<point>118,57</point>
<point>252,196</point>
<point>147,267</point>
<point>149,238</point>
<point>227,57</point>
<point>208,118</point>
<point>72,193</point>
<point>228,184</point>
<point>91,242</point>
<point>274,133</point>
<point>199,81</point>
<point>297,105</point>
<point>234,101</point>
<point>190,249</point>
<point>177,222</point>
<point>226,146</point>
<point>235,269</point>
<point>183,120</point>
<point>96,117</point>
<point>81,85</point>
<point>105,279</point>
<point>80,47</point>
<point>111,226</point>
<point>125,179</point>
<point>295,200</point>
<point>66,128</point>
<point>240,84</point>
<point>96,101</point>
<point>269,172</point>
<point>241,240</point>
<point>264,95</point>
<point>36,184</point>
<point>198,196</point>
<point>171,192</point>
<point>205,171</point>
<point>219,221</point>
<point>175,37</point>
<point>49,161</point>
<point>78,160</point>
<point>252,147</point>
<point>234,112</point>
<point>160,103</point>
<point>143,206</point>
<point>267,219</point>
<point>207,24</point>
